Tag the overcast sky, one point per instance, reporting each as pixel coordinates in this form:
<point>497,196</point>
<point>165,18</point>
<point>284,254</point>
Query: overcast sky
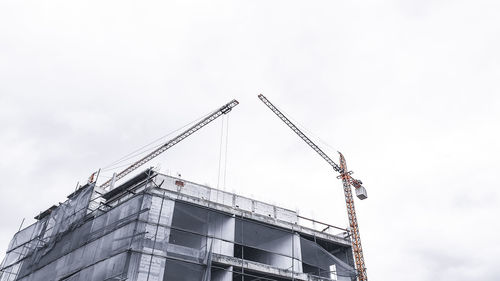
<point>406,89</point>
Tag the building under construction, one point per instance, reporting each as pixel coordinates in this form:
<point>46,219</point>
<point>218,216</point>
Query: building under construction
<point>156,227</point>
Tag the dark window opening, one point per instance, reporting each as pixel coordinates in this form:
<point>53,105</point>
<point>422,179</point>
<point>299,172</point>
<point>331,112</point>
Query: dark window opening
<point>261,256</point>
<point>315,270</point>
<point>176,270</point>
<point>341,252</point>
<point>187,239</point>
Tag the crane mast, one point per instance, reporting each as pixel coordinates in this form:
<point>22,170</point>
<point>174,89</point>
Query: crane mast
<point>347,181</point>
<point>205,121</point>
<point>353,220</point>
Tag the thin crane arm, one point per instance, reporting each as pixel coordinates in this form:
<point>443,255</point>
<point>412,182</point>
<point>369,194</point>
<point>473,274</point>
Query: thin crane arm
<point>347,181</point>
<point>299,133</point>
<point>222,110</point>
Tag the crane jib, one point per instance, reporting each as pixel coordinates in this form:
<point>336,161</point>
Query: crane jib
<point>214,115</point>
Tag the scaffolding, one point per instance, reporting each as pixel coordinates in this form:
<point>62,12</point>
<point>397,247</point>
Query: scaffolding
<point>156,227</point>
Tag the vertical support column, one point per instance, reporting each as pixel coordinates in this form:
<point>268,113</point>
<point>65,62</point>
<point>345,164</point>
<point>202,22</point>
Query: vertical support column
<point>296,253</point>
<point>222,230</point>
<point>159,217</point>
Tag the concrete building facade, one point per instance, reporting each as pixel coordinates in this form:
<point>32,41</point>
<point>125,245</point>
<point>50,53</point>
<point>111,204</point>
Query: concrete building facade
<point>156,227</point>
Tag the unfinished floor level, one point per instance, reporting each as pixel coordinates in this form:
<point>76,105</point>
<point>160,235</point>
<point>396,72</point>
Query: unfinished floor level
<point>156,227</point>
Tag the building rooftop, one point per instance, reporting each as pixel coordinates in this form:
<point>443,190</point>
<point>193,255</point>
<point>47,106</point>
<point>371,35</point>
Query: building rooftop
<point>181,189</point>
<point>159,227</point>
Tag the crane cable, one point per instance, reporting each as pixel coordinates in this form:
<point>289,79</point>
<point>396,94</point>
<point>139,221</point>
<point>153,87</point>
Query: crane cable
<point>220,150</point>
<point>225,156</point>
<point>221,182</point>
<point>122,162</point>
<point>312,135</point>
<point>144,149</point>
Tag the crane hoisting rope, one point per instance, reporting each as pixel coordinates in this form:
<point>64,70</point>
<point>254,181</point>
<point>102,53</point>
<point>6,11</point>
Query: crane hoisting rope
<point>220,150</point>
<point>225,154</point>
<point>205,121</point>
<point>221,175</point>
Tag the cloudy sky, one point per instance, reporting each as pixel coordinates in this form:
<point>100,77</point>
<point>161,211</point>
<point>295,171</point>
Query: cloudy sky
<point>406,89</point>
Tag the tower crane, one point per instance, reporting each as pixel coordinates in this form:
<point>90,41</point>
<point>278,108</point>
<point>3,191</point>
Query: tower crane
<point>347,181</point>
<point>205,121</point>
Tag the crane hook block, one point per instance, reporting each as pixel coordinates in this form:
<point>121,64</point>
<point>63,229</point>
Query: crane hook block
<point>361,193</point>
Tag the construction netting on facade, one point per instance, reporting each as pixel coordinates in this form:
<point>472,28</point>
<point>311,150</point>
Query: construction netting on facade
<point>323,263</point>
<point>35,241</point>
<point>149,234</point>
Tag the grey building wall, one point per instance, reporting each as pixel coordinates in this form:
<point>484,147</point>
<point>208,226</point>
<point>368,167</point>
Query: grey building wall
<point>156,227</point>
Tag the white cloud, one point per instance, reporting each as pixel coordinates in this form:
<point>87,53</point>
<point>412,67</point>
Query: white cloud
<point>406,89</point>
